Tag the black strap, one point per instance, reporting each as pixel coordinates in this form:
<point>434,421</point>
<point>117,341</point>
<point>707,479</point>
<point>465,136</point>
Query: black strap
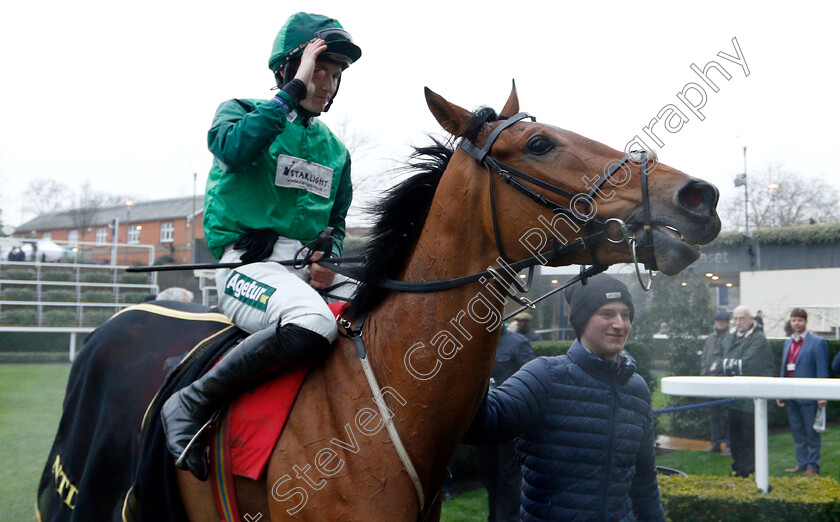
<point>648,244</point>
<point>423,287</point>
<point>479,154</point>
<point>585,273</point>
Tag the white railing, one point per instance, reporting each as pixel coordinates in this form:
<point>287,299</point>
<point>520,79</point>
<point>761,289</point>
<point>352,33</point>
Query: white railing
<point>36,296</point>
<point>759,389</point>
<point>207,285</point>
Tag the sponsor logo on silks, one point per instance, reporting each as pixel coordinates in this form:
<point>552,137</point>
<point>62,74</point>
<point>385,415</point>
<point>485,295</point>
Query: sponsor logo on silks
<point>298,173</point>
<point>252,293</point>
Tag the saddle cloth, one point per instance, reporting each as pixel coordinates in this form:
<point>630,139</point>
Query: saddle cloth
<point>257,418</point>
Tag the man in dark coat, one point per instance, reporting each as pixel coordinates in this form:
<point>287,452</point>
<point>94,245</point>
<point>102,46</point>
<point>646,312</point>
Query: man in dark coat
<point>712,364</point>
<point>583,419</point>
<point>745,352</point>
<point>497,464</point>
<point>522,325</point>
<point>805,355</point>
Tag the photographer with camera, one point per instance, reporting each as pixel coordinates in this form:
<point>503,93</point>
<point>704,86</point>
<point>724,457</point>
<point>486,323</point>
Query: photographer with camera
<point>746,351</point>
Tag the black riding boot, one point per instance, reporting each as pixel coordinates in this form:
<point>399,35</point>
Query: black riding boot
<point>260,355</point>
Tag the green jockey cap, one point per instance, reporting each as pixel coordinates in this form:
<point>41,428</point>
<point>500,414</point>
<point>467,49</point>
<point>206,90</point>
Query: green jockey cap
<point>301,28</point>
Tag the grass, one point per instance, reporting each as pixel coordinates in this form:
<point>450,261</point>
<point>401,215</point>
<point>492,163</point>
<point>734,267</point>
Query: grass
<point>780,451</point>
<point>30,408</point>
<point>466,506</point>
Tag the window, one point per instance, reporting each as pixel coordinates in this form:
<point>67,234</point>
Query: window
<point>46,235</point>
<point>166,232</point>
<point>73,237</point>
<point>134,234</point>
<point>102,235</point>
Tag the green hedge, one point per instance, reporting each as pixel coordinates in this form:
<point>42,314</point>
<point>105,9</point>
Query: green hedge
<point>796,235</point>
<point>96,318</point>
<point>703,498</point>
<point>19,274</point>
<point>60,296</point>
<point>99,296</point>
<point>134,297</point>
<point>59,318</point>
<point>134,279</point>
<point>97,277</point>
<point>21,318</point>
<point>19,294</point>
<point>55,275</point>
<point>34,342</point>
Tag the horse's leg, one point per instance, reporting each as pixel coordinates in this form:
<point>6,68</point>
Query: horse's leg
<point>197,497</point>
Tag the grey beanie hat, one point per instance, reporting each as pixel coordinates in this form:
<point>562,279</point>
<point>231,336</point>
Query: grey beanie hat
<point>585,300</point>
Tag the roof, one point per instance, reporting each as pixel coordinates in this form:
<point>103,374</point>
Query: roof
<point>141,211</point>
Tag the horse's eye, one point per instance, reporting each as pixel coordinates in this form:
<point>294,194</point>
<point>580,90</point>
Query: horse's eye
<point>540,145</point>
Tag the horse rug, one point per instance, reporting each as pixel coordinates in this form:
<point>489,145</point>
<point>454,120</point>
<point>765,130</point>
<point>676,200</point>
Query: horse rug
<point>109,459</point>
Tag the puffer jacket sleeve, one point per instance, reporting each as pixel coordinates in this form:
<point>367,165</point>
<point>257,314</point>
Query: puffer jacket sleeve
<point>512,408</point>
<point>242,130</point>
<point>644,491</point>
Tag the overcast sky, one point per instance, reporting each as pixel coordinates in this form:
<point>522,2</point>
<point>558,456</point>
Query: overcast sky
<point>122,93</point>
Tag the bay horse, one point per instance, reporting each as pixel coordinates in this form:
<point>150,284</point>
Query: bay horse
<point>369,438</point>
<point>432,353</point>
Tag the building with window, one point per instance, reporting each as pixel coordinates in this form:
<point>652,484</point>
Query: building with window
<point>173,226</point>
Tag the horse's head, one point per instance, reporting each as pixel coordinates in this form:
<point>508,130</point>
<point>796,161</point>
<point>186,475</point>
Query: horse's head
<point>552,182</point>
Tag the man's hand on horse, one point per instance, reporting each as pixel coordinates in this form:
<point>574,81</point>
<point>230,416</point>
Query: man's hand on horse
<point>319,277</point>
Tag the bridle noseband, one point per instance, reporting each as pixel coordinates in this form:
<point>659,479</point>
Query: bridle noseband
<point>597,229</point>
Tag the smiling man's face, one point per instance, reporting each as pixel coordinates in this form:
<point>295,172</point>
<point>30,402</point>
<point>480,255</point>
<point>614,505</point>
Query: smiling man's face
<point>607,329</point>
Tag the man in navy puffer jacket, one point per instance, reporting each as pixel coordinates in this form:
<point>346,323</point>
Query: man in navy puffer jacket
<point>583,419</point>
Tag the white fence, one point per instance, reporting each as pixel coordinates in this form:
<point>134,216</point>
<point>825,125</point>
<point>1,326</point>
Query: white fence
<point>71,297</point>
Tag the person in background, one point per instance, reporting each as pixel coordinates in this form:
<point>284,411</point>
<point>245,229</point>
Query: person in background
<point>497,465</point>
<point>805,355</point>
<point>522,325</point>
<point>712,364</point>
<point>583,420</point>
<point>175,293</point>
<point>788,328</point>
<point>745,352</point>
<point>759,319</point>
<point>16,254</point>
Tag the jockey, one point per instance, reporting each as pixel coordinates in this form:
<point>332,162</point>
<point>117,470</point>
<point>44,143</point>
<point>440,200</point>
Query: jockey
<point>279,177</point>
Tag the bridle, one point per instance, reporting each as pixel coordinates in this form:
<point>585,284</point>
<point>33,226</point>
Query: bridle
<point>597,229</point>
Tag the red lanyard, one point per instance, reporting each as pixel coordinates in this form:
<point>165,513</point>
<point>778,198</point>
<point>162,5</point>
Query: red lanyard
<point>793,354</point>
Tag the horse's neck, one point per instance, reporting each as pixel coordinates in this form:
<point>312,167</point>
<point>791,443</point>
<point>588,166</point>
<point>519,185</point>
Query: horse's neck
<point>436,350</point>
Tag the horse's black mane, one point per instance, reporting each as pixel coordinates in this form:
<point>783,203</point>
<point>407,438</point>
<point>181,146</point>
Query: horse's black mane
<point>400,216</point>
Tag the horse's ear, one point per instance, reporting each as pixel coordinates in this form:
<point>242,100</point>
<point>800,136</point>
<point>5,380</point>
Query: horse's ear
<point>452,118</point>
<point>512,105</point>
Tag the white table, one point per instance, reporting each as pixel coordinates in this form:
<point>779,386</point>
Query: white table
<point>759,389</point>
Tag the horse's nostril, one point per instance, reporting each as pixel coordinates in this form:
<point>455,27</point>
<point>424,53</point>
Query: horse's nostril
<point>698,197</point>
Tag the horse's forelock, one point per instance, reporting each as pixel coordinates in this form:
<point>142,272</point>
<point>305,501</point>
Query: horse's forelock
<point>480,116</point>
